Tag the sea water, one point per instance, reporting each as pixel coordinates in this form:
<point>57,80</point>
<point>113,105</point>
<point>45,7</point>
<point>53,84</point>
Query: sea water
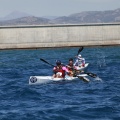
<point>76,100</point>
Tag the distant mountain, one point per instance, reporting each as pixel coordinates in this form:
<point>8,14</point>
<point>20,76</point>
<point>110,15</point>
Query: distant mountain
<point>50,17</point>
<point>30,20</point>
<point>14,15</point>
<point>77,18</point>
<point>90,17</point>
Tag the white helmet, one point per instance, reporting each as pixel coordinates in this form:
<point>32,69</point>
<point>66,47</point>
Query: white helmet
<point>79,55</point>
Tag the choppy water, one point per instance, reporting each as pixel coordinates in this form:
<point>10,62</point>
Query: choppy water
<point>96,100</point>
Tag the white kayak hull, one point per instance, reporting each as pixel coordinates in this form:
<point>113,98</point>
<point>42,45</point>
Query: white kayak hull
<point>82,68</point>
<point>43,79</point>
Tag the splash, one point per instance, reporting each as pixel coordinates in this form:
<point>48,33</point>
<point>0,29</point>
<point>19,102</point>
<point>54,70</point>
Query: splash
<point>101,57</point>
<point>98,79</point>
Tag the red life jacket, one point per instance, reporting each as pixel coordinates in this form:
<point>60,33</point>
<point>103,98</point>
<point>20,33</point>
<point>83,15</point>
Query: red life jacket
<point>60,70</point>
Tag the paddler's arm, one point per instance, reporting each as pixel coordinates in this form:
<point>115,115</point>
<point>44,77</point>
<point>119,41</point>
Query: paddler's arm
<point>76,63</point>
<point>66,70</point>
<point>67,66</point>
<point>55,70</point>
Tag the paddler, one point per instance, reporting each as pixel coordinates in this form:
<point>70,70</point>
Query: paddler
<point>59,70</point>
<point>71,68</point>
<point>80,61</point>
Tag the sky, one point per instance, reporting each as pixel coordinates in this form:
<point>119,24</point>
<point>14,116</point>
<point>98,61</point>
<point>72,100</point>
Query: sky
<point>40,8</point>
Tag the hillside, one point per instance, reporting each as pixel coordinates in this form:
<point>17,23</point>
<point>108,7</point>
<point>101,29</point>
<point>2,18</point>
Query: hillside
<point>29,20</point>
<point>90,17</point>
<point>108,16</point>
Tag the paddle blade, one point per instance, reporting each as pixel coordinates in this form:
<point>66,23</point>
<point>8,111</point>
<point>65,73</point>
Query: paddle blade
<point>91,75</point>
<point>80,49</point>
<point>84,79</point>
<point>46,62</point>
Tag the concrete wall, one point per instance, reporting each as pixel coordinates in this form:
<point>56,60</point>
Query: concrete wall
<point>59,35</point>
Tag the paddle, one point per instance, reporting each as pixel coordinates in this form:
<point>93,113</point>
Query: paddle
<point>80,49</point>
<point>84,79</point>
<point>88,73</point>
<point>47,62</point>
<point>91,74</point>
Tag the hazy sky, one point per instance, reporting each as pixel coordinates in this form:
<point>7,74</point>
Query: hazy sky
<point>55,7</point>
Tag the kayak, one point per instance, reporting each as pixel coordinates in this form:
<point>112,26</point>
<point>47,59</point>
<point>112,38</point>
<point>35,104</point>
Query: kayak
<point>45,79</point>
<point>82,68</point>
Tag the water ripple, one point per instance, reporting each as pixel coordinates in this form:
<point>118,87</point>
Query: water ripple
<point>74,100</point>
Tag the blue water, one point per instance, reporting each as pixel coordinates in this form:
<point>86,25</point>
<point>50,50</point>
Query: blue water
<point>97,100</point>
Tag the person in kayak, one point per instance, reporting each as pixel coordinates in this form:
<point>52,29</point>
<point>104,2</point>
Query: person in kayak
<point>70,67</point>
<point>73,70</point>
<point>59,70</point>
<point>80,61</point>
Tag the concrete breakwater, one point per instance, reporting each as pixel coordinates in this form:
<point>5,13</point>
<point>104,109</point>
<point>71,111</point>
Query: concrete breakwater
<point>22,37</point>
